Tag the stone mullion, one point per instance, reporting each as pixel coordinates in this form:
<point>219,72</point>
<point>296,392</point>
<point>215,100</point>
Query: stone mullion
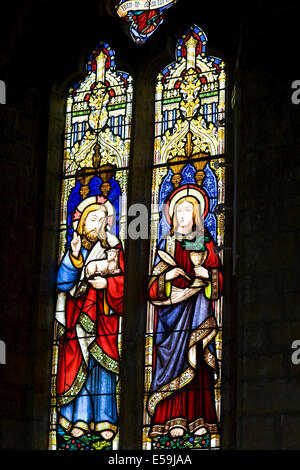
<point>136,267</point>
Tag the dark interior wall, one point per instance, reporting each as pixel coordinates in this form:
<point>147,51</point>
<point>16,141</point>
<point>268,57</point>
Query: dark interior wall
<point>268,232</point>
<point>43,48</point>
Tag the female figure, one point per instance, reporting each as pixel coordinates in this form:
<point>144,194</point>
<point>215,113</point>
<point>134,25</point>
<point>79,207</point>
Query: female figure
<point>182,391</point>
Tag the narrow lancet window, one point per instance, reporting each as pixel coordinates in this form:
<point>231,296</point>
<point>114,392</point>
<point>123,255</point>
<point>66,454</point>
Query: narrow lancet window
<point>184,319</point>
<point>85,387</point>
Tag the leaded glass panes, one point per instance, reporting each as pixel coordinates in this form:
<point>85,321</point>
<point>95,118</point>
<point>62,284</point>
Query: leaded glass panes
<point>184,318</point>
<point>85,384</point>
<point>143,16</point>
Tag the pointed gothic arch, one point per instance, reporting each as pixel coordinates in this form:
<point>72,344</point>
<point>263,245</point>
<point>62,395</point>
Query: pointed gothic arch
<point>137,150</point>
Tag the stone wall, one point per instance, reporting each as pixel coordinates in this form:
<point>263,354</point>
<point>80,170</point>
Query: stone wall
<point>268,233</point>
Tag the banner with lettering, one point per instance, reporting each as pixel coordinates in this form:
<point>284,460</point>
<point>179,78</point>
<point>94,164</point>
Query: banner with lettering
<point>143,16</point>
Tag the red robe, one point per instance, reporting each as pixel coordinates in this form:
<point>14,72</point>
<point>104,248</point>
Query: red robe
<point>193,406</point>
<point>90,309</point>
<point>147,21</point>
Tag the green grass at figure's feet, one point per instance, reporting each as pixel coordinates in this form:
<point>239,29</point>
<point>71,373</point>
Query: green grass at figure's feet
<point>86,442</point>
<point>187,441</point>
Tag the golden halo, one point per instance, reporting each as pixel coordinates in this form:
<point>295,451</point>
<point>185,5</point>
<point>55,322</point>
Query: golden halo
<point>94,200</point>
<point>188,190</point>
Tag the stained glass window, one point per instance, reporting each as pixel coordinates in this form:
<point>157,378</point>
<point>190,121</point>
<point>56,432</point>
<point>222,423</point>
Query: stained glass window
<point>143,16</point>
<point>184,318</point>
<point>85,385</point>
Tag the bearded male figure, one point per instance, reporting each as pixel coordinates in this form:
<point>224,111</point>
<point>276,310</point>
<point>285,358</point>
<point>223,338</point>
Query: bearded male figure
<point>89,308</point>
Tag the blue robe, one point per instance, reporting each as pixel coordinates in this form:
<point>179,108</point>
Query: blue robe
<point>94,408</point>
